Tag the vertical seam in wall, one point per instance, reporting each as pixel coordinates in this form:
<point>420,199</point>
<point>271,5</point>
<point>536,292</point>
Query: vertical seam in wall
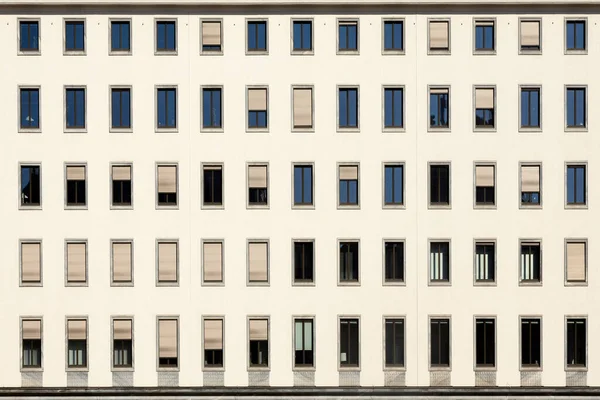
<point>190,168</point>
<point>416,177</point>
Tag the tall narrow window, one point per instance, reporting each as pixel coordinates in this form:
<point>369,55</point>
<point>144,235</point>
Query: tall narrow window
<point>485,262</point>
<point>212,189</point>
<point>121,108</point>
<point>485,108</point>
<point>485,36</point>
<point>75,36</point>
<point>31,191</point>
<point>576,342</point>
<point>394,107</point>
<point>122,343</point>
<point>530,35</point>
<point>121,185</point>
<point>530,185</point>
<point>120,36</point>
<point>212,262</point>
<point>259,343</point>
<point>76,263</point>
<point>576,185</point>
<point>349,262</point>
<point>439,36</point>
<point>32,343</point>
<point>211,108</point>
<point>302,36</point>
<point>394,262</point>
<point>258,185</point>
<point>304,262</point>
<point>166,108</point>
<point>75,111</point>
<point>303,176</point>
<point>213,343</point>
<point>576,35</point>
<point>303,343</point>
<point>530,107</point>
<point>31,263</point>
<point>258,262</point>
<point>166,36</point>
<point>439,106</point>
<point>347,36</point>
<point>439,185</point>
<point>439,262</point>
<point>393,36</point>
<point>531,264</point>
<point>348,185</point>
<point>394,185</point>
<point>531,343</point>
<point>257,108</point>
<point>303,108</point>
<point>394,343</point>
<point>76,343</point>
<point>349,343</point>
<point>485,342</point>
<point>167,185</point>
<point>576,261</point>
<point>168,343</point>
<point>576,107</point>
<point>29,36</point>
<point>122,262</point>
<point>348,108</point>
<point>257,36</point>
<point>439,351</point>
<point>211,37</point>
<point>485,182</point>
<point>168,262</point>
<point>30,108</point>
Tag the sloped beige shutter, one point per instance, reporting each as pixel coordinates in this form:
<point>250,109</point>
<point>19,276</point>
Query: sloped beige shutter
<point>122,329</point>
<point>530,178</point>
<point>76,173</point>
<point>438,91</point>
<point>259,329</point>
<point>122,262</point>
<point>302,107</point>
<point>167,179</point>
<point>167,338</point>
<point>213,262</point>
<point>257,99</point>
<point>349,172</point>
<point>484,98</point>
<point>213,334</point>
<point>530,33</point>
<point>32,329</point>
<point>122,173</point>
<point>76,262</point>
<point>484,176</point>
<point>77,329</point>
<point>211,33</point>
<point>438,35</point>
<point>257,259</point>
<point>167,262</point>
<point>576,262</point>
<point>31,262</point>
<point>257,176</point>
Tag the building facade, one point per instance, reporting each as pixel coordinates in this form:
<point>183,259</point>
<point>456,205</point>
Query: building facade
<point>286,194</point>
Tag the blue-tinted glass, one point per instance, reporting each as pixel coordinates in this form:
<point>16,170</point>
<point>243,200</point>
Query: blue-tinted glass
<point>115,36</point>
<point>297,185</point>
<point>70,108</point>
<point>126,108</point>
<point>262,119</point>
<point>216,107</point>
<point>252,119</point>
<point>352,108</point>
<point>70,36</point>
<point>29,35</point>
<point>398,107</point>
<point>525,117</point>
<point>580,35</point>
<point>389,185</point>
<point>306,35</point>
<point>353,186</point>
<point>398,184</point>
<point>35,109</point>
<point>80,108</point>
<point>30,108</point>
<point>535,105</point>
<point>570,35</point>
<point>580,182</point>
<point>489,37</point>
<point>571,107</point>
<point>120,35</point>
<point>343,107</point>
<point>580,107</point>
<point>206,108</point>
<point>25,176</point>
<point>389,115</point>
<point>307,182</point>
<point>434,110</point>
<point>297,35</point>
<point>79,35</point>
<point>125,36</point>
<point>171,108</point>
<point>343,192</point>
<point>388,36</point>
<point>479,37</point>
<point>398,32</point>
<point>570,185</point>
<point>160,36</point>
<point>251,36</point>
<point>116,108</point>
<point>162,108</point>
<point>343,37</point>
<point>170,36</point>
<point>24,36</point>
<point>352,37</point>
<point>262,36</point>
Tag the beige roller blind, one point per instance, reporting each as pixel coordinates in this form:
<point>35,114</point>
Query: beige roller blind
<point>257,176</point>
<point>302,107</point>
<point>167,262</point>
<point>530,33</point>
<point>438,34</point>
<point>576,261</point>
<point>212,168</point>
<point>213,262</point>
<point>76,173</point>
<point>485,23</point>
<point>122,173</point>
<point>77,329</point>
<point>122,262</point>
<point>484,98</point>
<point>530,178</point>
<point>213,334</point>
<point>76,262</point>
<point>31,262</point>
<point>259,329</point>
<point>167,338</point>
<point>257,259</point>
<point>484,176</point>
<point>167,179</point>
<point>348,172</point>
<point>122,329</point>
<point>211,33</point>
<point>257,99</point>
<point>32,329</point>
<point>438,91</point>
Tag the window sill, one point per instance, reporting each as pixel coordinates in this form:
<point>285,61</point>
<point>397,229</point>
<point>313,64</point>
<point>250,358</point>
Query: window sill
<point>31,208</point>
<point>212,130</point>
<point>303,284</point>
<point>530,369</point>
<point>77,369</point>
<point>257,207</point>
<point>349,284</point>
<point>120,52</point>
<point>166,130</point>
<point>576,284</point>
<point>303,207</point>
<point>31,369</point>
<point>347,130</point>
<point>530,284</point>
<point>75,130</point>
<point>76,284</point>
<point>212,207</point>
<point>167,369</point>
<point>400,368</point>
<point>303,52</point>
<point>530,52</point>
<point>343,52</point>
<point>303,130</point>
<point>74,53</point>
<point>576,52</point>
<point>530,207</point>
<point>76,208</point>
<point>394,207</point>
<point>485,207</point>
<point>576,369</point>
<point>30,284</point>
<point>440,52</point>
<point>394,283</point>
<point>576,206</point>
<point>30,130</point>
<point>480,129</point>
<point>167,284</point>
<point>257,130</point>
<point>439,206</point>
<point>122,369</point>
<point>165,52</point>
<point>576,129</point>
<point>166,207</point>
<point>300,368</point>
<point>485,369</point>
<point>485,283</point>
<point>348,207</point>
<point>123,208</point>
<point>436,368</point>
<point>353,368</point>
<point>484,52</point>
<point>121,130</point>
<point>394,129</point>
<point>530,129</point>
<point>440,284</point>
<point>393,52</point>
<point>29,53</point>
<point>211,53</point>
<point>213,284</point>
<point>257,284</point>
<point>257,52</point>
<point>121,284</point>
<point>258,369</point>
<point>213,369</point>
<point>441,129</point>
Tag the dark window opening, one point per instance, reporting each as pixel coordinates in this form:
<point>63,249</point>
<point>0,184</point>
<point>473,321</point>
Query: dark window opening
<point>303,261</point>
<point>349,262</point>
<point>485,346</point>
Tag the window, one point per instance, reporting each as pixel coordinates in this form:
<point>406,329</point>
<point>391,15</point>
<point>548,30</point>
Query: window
<point>122,262</point>
<point>348,189</point>
<point>576,35</point>
<point>530,185</point>
<point>167,185</point>
<point>485,262</point>
<point>439,262</point>
<point>576,107</point>
<point>211,37</point>
<point>303,185</point>
<point>120,116</point>
<point>213,343</point>
<point>168,343</point>
<point>576,343</point>
<point>348,108</point>
<point>29,108</point>
<point>439,36</point>
<point>32,343</point>
<point>349,261</point>
<point>257,108</point>
<point>439,185</point>
<point>349,346</point>
<point>168,263</point>
<point>394,343</point>
<point>531,342</point>
<point>393,36</point>
<point>303,108</point>
<point>75,36</point>
<point>31,263</point>
<point>394,185</point>
<point>576,185</point>
<point>485,108</point>
<point>29,36</point>
<point>258,262</point>
<point>302,36</point>
<point>31,188</point>
<point>576,261</point>
<point>212,190</point>
<point>485,39</point>
<point>394,108</point>
<point>76,186</point>
<point>77,343</point>
<point>394,261</point>
<point>304,258</point>
<point>485,179</point>
<point>485,342</point>
<point>257,185</point>
<point>166,108</point>
<point>212,262</point>
<point>121,185</point>
<point>76,263</point>
<point>75,108</point>
<point>259,342</point>
<point>530,35</point>
<point>257,36</point>
<point>439,355</point>
<point>439,108</point>
<point>166,36</point>
<point>122,343</point>
<point>212,105</point>
<point>531,264</point>
<point>530,108</point>
<point>347,36</point>
<point>120,36</point>
<point>303,343</point>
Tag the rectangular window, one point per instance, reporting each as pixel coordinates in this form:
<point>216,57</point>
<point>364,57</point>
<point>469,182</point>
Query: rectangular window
<point>530,35</point>
<point>259,342</point>
<point>348,185</point>
<point>257,108</point>
<point>167,185</point>
<point>394,108</point>
<point>121,185</point>
<point>257,36</point>
<point>485,36</point>
<point>576,35</point>
<point>530,185</point>
<point>76,263</point>
<point>76,185</point>
<point>576,261</point>
<point>31,263</point>
<point>213,343</point>
<point>75,113</point>
<point>32,343</point>
<point>166,36</point>
<point>212,105</point>
<point>485,108</point>
<point>394,185</point>
<point>348,108</point>
<point>394,261</point>
<point>439,36</point>
<point>576,107</point>
<point>530,107</point>
<point>166,108</point>
<point>122,262</point>
<point>29,36</point>
<point>393,36</point>
<point>211,37</point>
<point>485,262</point>
<point>394,343</point>
<point>439,356</point>
<point>576,343</point>
<point>303,108</point>
<point>75,36</point>
<point>122,343</point>
<point>302,36</point>
<point>303,185</point>
<point>439,108</point>
<point>168,343</point>
<point>304,258</point>
<point>349,262</point>
<point>120,116</point>
<point>439,185</point>
<point>485,342</point>
<point>347,36</point>
<point>29,108</point>
<point>212,262</point>
<point>31,187</point>
<point>258,262</point>
<point>77,343</point>
<point>349,343</point>
<point>303,343</point>
<point>168,262</point>
<point>212,190</point>
<point>120,36</point>
<point>576,185</point>
<point>485,180</point>
<point>531,343</point>
<point>439,262</point>
<point>257,185</point>
<point>531,263</point>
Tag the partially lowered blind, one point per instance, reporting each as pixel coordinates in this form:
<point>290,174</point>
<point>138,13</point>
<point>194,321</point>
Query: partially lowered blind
<point>257,259</point>
<point>213,262</point>
<point>31,262</point>
<point>32,329</point>
<point>484,98</point>
<point>257,176</point>
<point>349,172</point>
<point>257,99</point>
<point>211,33</point>
<point>484,176</point>
<point>213,334</point>
<point>258,329</point>
<point>77,329</point>
<point>167,262</point>
<point>121,173</point>
<point>122,329</point>
<point>438,35</point>
<point>167,338</point>
<point>302,107</point>
<point>530,178</point>
<point>76,262</point>
<point>167,179</point>
<point>576,262</point>
<point>530,33</point>
<point>122,262</point>
<point>75,173</point>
